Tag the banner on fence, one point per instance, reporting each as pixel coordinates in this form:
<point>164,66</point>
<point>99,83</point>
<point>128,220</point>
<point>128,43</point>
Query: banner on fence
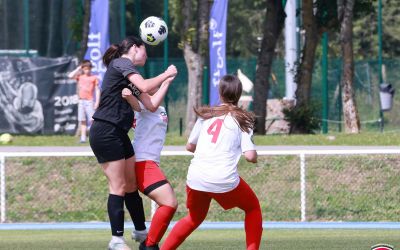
<point>98,40</point>
<point>36,95</point>
<point>217,43</point>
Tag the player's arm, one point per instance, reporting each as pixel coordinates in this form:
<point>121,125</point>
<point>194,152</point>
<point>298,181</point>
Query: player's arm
<point>131,99</point>
<point>148,85</point>
<point>194,136</point>
<point>75,73</point>
<point>191,147</point>
<point>248,147</point>
<point>251,156</point>
<point>97,91</point>
<point>152,102</point>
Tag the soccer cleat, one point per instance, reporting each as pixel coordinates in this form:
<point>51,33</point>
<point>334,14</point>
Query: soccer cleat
<point>139,235</point>
<point>143,246</point>
<point>121,245</point>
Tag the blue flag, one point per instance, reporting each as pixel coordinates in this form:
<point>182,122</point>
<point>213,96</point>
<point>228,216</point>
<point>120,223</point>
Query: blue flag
<point>217,43</point>
<point>98,40</point>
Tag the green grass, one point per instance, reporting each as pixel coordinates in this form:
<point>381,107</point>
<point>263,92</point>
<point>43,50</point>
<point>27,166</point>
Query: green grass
<point>173,138</point>
<point>207,239</point>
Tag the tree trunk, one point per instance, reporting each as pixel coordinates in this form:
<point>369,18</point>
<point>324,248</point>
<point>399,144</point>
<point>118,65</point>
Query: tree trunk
<point>85,30</point>
<point>195,71</point>
<point>194,55</point>
<point>274,21</point>
<point>305,69</point>
<point>350,112</point>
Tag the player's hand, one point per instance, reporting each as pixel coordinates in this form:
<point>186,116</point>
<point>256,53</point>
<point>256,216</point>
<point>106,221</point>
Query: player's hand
<point>126,93</point>
<point>168,81</point>
<point>171,71</point>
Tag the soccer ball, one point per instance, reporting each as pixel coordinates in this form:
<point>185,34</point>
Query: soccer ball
<point>6,138</point>
<point>153,30</point>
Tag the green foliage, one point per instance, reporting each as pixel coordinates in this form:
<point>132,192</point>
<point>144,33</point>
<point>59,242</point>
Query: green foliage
<point>303,119</point>
<point>76,21</point>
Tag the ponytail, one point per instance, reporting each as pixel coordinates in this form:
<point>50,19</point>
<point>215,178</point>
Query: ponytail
<point>230,90</point>
<point>111,53</point>
<point>244,119</point>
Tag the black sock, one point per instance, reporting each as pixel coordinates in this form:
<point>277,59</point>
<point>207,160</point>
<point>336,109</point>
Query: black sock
<point>115,206</point>
<point>134,204</point>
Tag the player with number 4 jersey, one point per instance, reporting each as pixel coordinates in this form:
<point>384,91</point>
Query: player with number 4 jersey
<point>218,139</point>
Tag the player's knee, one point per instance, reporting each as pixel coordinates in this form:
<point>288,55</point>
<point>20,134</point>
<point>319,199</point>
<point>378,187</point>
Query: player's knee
<point>118,188</point>
<point>173,203</point>
<point>130,187</point>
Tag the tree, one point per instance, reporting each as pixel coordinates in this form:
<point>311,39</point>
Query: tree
<point>350,113</point>
<point>274,21</point>
<point>318,17</point>
<point>85,28</point>
<point>194,43</point>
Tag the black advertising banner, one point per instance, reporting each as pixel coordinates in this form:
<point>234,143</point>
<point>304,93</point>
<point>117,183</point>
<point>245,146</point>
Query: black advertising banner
<point>36,95</point>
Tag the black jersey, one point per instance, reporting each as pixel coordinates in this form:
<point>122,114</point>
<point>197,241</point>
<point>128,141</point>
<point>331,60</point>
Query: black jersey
<point>112,107</point>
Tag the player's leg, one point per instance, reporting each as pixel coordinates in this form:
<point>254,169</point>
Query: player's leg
<point>244,198</point>
<point>133,201</point>
<point>82,120</point>
<point>115,173</point>
<point>198,204</point>
<point>107,143</point>
<point>165,197</point>
<point>153,183</point>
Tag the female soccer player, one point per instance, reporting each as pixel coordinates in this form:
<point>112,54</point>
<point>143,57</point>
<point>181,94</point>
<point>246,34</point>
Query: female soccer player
<point>218,139</point>
<point>150,131</point>
<point>109,138</point>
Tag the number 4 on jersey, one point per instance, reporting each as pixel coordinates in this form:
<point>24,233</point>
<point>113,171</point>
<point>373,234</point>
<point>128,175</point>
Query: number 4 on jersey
<point>214,129</point>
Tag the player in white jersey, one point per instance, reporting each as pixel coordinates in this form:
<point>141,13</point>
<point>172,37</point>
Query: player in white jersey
<point>150,130</point>
<point>218,139</point>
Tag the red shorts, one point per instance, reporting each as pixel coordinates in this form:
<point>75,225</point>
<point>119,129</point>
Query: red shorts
<point>149,176</point>
<point>242,196</point>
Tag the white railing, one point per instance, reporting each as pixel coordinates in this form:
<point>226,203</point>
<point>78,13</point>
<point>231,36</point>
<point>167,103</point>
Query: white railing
<point>301,153</point>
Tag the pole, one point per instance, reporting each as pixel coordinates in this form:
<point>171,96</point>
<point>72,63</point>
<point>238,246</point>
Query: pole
<point>206,89</point>
<point>290,49</point>
<point>325,102</point>
<point>122,24</point>
<point>138,14</point>
<point>166,99</point>
<point>380,58</point>
<point>2,189</point>
<point>26,27</point>
<point>303,188</point>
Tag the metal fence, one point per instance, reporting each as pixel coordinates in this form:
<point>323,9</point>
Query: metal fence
<point>299,185</point>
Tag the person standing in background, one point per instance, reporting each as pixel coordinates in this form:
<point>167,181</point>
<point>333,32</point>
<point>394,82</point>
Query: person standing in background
<point>87,85</point>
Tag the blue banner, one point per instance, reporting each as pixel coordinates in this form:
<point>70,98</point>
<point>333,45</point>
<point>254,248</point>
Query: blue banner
<point>217,44</point>
<point>98,40</point>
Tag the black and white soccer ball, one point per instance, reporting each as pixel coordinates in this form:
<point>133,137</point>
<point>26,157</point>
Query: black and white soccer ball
<point>153,30</point>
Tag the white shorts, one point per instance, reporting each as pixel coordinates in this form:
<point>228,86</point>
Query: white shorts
<point>85,110</point>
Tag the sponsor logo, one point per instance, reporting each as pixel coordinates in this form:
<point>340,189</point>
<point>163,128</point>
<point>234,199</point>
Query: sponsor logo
<point>382,247</point>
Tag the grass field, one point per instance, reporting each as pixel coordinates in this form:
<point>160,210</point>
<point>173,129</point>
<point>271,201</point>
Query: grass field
<point>208,239</point>
<point>173,138</point>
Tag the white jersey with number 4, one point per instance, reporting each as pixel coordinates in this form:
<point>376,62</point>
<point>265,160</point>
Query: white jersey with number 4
<point>220,143</point>
<point>150,130</point>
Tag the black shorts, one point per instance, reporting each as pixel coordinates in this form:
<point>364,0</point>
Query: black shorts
<point>109,142</point>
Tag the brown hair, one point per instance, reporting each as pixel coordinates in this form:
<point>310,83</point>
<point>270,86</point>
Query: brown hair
<point>230,90</point>
<point>86,63</point>
<point>117,50</point>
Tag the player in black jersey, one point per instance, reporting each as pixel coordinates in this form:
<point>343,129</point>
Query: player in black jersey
<point>109,138</point>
